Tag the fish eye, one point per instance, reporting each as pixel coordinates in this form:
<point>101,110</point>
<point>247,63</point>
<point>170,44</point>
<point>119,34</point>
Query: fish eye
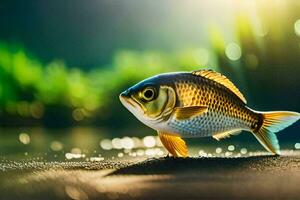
<point>148,94</point>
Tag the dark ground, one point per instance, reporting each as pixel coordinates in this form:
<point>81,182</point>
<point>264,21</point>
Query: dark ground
<point>256,177</point>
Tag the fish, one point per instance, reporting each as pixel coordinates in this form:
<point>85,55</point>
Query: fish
<point>202,103</point>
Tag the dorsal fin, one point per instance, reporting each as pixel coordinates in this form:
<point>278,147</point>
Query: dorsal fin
<point>221,79</point>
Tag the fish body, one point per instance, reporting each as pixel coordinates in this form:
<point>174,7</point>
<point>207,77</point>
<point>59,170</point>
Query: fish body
<point>225,111</point>
<point>200,104</point>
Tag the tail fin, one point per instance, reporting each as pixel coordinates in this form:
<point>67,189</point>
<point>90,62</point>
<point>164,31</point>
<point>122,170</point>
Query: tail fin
<point>272,122</point>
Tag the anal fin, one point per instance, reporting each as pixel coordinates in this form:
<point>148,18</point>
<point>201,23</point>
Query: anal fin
<point>226,134</point>
<point>174,144</point>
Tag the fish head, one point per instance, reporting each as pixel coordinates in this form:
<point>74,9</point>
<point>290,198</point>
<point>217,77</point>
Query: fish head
<point>151,101</point>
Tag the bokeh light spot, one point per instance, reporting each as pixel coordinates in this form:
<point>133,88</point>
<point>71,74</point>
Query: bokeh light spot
<point>297,27</point>
<point>76,150</point>
<point>201,56</point>
<point>120,154</point>
<point>106,144</point>
<point>231,148</point>
<point>78,114</point>
<point>127,143</point>
<point>233,51</point>
<point>218,150</point>
<point>244,151</point>
<point>116,143</point>
<point>56,146</point>
<point>24,138</point>
<point>149,141</point>
<point>260,29</point>
<point>36,110</point>
<point>202,153</point>
<point>227,153</point>
<point>251,61</point>
<point>96,159</point>
<point>140,152</point>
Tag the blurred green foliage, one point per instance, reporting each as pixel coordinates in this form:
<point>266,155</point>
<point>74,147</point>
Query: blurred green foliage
<point>261,59</point>
<point>28,87</point>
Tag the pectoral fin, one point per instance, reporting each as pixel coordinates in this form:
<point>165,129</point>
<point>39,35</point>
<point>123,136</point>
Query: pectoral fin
<point>226,134</point>
<point>182,113</point>
<point>174,144</point>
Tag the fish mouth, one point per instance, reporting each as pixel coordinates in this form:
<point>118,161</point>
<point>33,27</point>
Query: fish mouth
<point>125,94</point>
<point>126,99</point>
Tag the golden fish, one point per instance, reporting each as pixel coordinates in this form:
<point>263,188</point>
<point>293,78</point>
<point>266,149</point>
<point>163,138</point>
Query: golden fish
<point>200,104</point>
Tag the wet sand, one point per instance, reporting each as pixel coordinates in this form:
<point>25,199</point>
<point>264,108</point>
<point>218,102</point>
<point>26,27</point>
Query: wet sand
<point>255,177</point>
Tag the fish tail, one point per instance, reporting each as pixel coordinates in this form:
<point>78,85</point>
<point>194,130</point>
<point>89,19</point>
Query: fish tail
<point>269,124</point>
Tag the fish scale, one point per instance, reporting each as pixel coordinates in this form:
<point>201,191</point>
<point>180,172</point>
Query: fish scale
<point>225,111</point>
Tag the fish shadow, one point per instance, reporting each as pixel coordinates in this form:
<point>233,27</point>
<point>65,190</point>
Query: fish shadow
<point>171,165</point>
